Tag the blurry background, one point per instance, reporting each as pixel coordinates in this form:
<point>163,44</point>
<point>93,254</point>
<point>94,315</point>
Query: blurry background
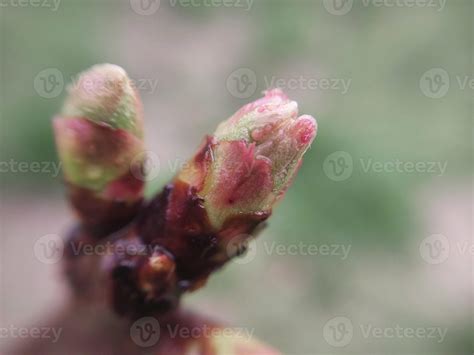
<point>376,232</point>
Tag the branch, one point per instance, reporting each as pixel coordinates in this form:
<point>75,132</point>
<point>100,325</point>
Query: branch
<point>155,251</point>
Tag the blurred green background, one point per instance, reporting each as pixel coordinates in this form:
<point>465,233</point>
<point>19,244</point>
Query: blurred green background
<point>185,59</point>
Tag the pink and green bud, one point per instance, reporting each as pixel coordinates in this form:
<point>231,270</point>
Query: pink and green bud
<point>94,156</point>
<point>104,94</point>
<point>252,158</point>
<point>99,141</point>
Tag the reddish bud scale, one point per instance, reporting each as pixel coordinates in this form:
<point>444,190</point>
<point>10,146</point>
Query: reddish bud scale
<point>101,215</point>
<point>88,149</point>
<point>182,250</point>
<point>185,231</point>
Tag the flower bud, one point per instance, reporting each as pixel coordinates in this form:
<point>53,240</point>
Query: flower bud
<point>99,137</point>
<point>250,161</point>
<point>220,199</point>
<point>104,94</point>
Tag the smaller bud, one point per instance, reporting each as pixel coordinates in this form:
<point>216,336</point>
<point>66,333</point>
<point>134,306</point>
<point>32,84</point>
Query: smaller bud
<point>99,137</point>
<point>157,275</point>
<point>104,94</point>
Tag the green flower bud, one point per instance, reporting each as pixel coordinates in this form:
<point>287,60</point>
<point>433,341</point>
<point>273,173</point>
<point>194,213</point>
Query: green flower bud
<point>99,141</point>
<point>104,94</point>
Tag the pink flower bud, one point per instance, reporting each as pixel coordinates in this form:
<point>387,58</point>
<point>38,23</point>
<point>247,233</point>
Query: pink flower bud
<point>105,94</point>
<point>99,140</point>
<point>250,161</point>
